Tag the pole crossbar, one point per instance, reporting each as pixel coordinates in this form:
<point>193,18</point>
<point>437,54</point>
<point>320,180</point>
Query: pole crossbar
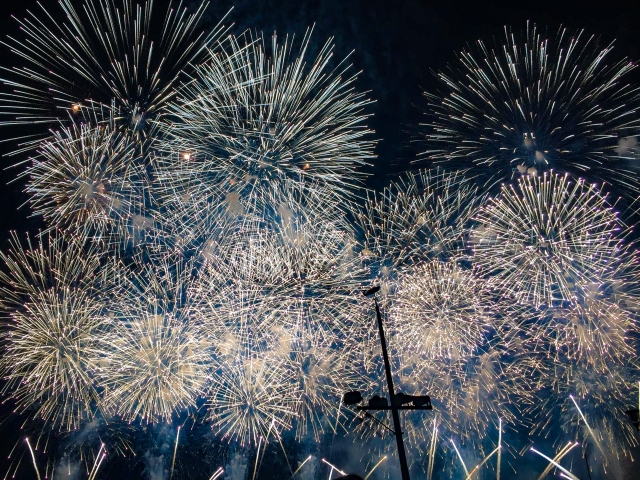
<point>392,408</point>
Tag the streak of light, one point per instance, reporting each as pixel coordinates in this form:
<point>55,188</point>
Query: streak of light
<point>593,435</point>
<point>334,467</point>
<point>175,450</point>
<point>571,475</point>
<point>98,459</point>
<point>33,457</point>
<point>499,449</point>
<point>477,467</point>
<point>375,466</point>
<point>432,450</point>
<point>217,473</point>
<point>559,456</point>
<point>466,472</point>
<point>301,465</point>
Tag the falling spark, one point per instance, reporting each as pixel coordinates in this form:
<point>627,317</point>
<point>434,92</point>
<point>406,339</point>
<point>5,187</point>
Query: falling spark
<point>499,449</point>
<point>567,472</point>
<point>559,456</point>
<point>375,466</point>
<point>175,451</point>
<point>301,465</point>
<point>33,457</point>
<point>93,469</point>
<point>477,467</point>
<point>217,473</point>
<point>432,450</point>
<point>255,467</point>
<point>466,472</point>
<point>593,435</point>
<point>333,467</point>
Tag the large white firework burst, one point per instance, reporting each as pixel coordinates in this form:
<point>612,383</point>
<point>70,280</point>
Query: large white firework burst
<point>422,215</point>
<point>532,103</point>
<point>52,306</point>
<point>109,56</point>
<point>281,292</point>
<point>440,310</point>
<point>301,263</point>
<point>87,179</point>
<point>603,394</point>
<point>252,398</point>
<point>548,239</point>
<point>154,365</point>
<point>597,334</point>
<point>256,120</point>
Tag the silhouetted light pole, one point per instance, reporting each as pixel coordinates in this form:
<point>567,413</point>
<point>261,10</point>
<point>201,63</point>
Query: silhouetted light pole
<point>402,456</point>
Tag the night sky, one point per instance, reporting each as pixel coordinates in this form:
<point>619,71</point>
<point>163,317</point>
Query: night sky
<point>398,46</point>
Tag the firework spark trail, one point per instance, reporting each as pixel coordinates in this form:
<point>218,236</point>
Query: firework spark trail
<point>256,121</point>
<point>559,456</point>
<point>499,450</point>
<point>255,467</point>
<point>300,466</point>
<point>477,467</point>
<point>464,465</point>
<point>556,464</point>
<point>333,467</point>
<point>175,451</point>
<point>531,104</point>
<point>432,450</point>
<point>97,463</point>
<point>593,435</point>
<point>374,467</point>
<point>107,57</point>
<point>33,457</point>
<point>217,473</point>
<point>547,240</point>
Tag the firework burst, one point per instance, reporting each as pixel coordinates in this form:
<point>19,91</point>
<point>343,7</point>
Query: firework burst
<point>532,104</point>
<point>252,399</point>
<point>422,215</point>
<point>439,310</point>
<point>51,300</point>
<point>153,365</point>
<point>548,240</point>
<point>88,179</point>
<point>110,57</point>
<point>256,122</point>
